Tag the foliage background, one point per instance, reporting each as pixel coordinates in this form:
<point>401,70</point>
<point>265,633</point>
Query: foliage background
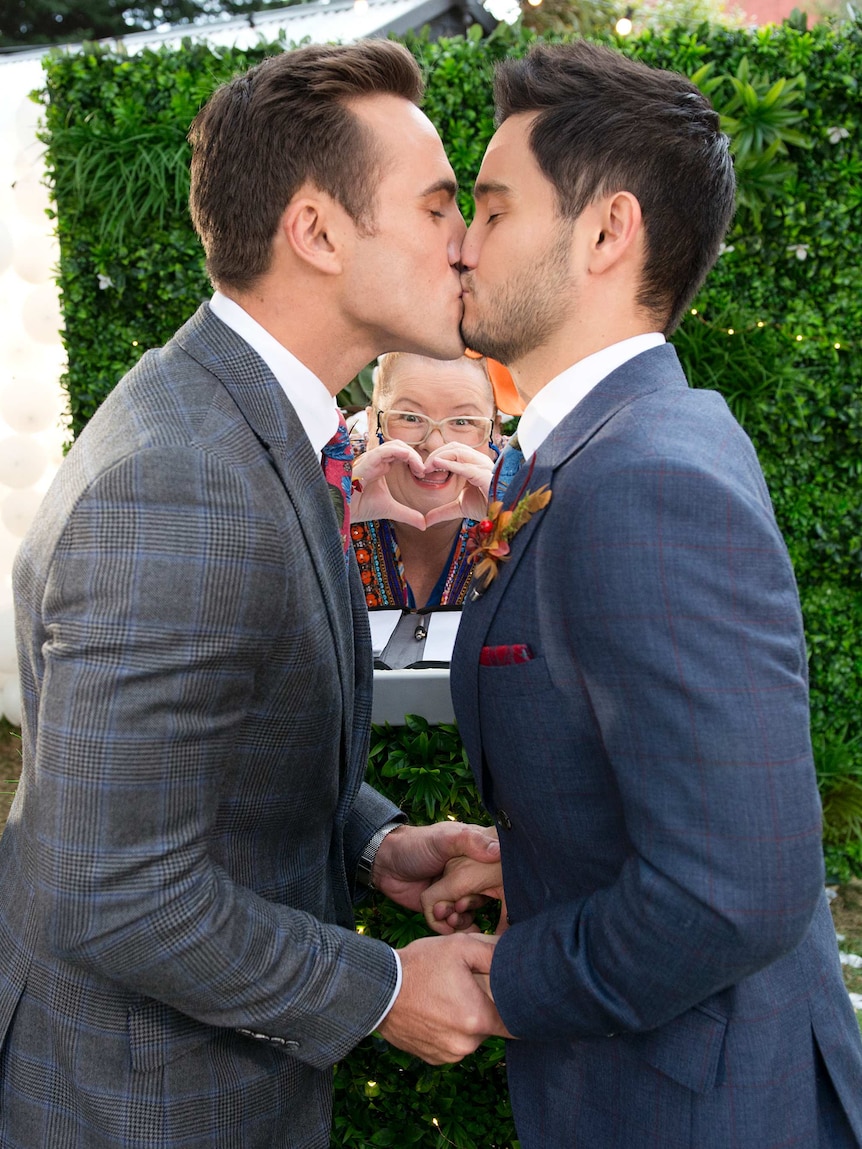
<point>777,329</point>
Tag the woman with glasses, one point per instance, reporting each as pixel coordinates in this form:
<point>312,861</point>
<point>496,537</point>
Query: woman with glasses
<point>423,480</point>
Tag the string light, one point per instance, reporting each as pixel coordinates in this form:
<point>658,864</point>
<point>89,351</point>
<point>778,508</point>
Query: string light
<point>760,325</point>
<point>623,26</point>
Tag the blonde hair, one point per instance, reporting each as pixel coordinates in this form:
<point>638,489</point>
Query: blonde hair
<point>387,367</point>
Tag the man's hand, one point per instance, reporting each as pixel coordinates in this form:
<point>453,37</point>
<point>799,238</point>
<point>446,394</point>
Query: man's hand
<point>411,858</point>
<point>465,884</point>
<point>442,1013</point>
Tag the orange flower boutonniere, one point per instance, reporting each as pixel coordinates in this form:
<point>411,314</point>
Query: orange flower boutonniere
<point>488,540</point>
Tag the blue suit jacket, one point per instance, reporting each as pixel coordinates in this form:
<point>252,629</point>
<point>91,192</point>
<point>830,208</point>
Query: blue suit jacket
<point>178,863</point>
<point>670,968</point>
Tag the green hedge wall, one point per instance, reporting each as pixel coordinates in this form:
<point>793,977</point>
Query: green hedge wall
<point>777,329</point>
<point>788,287</point>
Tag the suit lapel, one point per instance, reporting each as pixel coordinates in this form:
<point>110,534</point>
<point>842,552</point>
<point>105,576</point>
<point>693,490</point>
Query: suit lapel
<point>268,412</point>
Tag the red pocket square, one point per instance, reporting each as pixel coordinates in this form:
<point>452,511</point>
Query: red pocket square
<point>505,655</point>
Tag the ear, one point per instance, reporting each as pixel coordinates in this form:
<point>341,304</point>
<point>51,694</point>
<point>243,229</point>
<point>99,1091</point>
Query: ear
<point>312,230</point>
<point>616,230</point>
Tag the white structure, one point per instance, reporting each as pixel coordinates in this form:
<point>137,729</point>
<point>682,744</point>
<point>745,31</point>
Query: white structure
<point>32,357</point>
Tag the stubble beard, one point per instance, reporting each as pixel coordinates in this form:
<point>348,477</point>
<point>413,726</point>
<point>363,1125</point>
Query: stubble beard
<point>526,311</point>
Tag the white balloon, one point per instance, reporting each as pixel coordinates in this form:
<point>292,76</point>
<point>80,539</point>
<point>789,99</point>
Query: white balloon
<point>18,510</point>
<point>31,198</point>
<point>31,405</point>
<point>8,657</point>
<point>10,700</point>
<point>41,314</point>
<point>5,247</point>
<point>36,256</point>
<point>17,350</point>
<point>27,117</point>
<point>22,461</point>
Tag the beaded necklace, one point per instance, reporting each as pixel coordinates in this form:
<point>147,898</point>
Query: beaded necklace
<point>382,571</point>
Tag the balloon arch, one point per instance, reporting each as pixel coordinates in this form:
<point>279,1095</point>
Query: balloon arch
<point>32,358</point>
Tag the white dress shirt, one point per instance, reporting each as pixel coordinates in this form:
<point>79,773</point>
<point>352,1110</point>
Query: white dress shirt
<point>314,406</point>
<point>312,402</point>
<point>550,406</point>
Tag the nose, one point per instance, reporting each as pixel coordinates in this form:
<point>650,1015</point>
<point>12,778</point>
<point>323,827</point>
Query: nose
<point>458,230</point>
<point>469,248</point>
<point>431,444</point>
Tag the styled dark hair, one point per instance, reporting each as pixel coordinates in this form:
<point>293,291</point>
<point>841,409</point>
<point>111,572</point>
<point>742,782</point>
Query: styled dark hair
<point>606,124</point>
<point>266,132</point>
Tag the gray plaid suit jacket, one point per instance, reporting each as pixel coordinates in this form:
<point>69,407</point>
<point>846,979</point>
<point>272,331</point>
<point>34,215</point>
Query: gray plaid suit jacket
<point>179,966</point>
<point>671,967</point>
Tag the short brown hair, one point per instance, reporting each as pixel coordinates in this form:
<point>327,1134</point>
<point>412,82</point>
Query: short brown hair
<point>266,132</point>
<point>606,123</point>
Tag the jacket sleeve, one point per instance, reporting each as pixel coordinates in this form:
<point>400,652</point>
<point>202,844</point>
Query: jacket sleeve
<point>671,608</point>
<point>164,596</point>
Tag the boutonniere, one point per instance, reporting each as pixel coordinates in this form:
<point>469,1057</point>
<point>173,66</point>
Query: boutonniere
<point>488,540</point>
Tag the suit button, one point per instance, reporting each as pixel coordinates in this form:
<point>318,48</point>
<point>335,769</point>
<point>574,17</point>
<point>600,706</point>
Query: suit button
<point>504,819</point>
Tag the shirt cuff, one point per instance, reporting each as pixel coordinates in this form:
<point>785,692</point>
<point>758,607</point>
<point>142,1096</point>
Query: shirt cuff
<point>395,992</point>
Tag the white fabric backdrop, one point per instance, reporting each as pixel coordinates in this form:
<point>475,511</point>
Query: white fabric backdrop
<point>32,358</point>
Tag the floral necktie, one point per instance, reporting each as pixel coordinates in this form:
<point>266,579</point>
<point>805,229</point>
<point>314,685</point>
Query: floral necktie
<point>337,469</point>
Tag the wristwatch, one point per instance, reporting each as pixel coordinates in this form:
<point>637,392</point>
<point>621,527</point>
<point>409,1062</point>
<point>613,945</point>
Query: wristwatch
<point>366,861</point>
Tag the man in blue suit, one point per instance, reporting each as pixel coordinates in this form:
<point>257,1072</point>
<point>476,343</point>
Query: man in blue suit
<point>631,683</point>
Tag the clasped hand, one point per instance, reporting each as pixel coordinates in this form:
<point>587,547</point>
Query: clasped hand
<point>372,498</point>
<point>465,884</point>
<point>444,1009</point>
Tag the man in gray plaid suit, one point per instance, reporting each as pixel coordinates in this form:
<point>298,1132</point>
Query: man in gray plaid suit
<point>179,966</point>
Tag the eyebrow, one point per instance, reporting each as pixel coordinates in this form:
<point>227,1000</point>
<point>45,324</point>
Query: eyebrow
<point>490,187</point>
<point>449,187</point>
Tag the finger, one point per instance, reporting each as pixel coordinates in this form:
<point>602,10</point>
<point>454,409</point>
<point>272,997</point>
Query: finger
<point>484,983</point>
<point>459,453</point>
<point>400,513</point>
<point>444,514</point>
<point>474,472</point>
<point>479,843</point>
<point>462,924</point>
<point>373,464</point>
<point>481,952</point>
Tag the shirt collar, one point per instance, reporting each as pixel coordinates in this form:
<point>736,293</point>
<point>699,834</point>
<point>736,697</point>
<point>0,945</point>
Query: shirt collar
<point>565,391</point>
<point>313,404</point>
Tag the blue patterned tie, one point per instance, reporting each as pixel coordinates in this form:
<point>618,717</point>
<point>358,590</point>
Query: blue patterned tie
<point>508,465</point>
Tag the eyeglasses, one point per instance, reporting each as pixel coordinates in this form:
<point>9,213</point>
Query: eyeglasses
<point>414,429</point>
